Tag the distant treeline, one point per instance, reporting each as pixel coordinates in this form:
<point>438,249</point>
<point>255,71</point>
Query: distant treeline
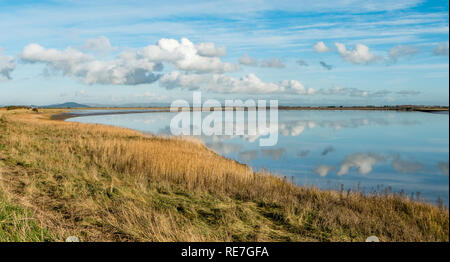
<point>369,107</point>
<point>20,107</point>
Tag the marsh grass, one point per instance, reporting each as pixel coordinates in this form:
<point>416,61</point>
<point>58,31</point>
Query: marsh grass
<point>106,183</point>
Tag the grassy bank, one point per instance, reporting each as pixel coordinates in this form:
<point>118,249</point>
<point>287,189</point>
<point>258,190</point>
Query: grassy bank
<point>113,184</point>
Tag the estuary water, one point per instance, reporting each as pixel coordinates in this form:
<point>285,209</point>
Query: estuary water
<point>367,151</point>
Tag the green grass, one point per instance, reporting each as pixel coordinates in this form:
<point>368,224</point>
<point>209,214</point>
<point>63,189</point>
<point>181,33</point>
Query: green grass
<point>18,225</point>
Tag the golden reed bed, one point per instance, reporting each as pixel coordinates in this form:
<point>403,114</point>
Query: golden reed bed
<point>105,183</point>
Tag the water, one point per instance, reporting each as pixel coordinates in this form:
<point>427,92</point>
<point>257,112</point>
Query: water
<point>382,151</point>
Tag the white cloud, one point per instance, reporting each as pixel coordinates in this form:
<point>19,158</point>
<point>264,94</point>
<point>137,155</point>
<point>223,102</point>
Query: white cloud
<point>297,87</point>
<point>67,60</point>
<point>126,69</point>
<point>320,47</point>
<point>7,65</point>
<point>273,63</point>
<point>400,51</point>
<point>100,44</point>
<point>246,84</point>
<point>323,170</point>
<point>227,84</point>
<point>209,49</point>
<point>337,90</point>
<point>190,81</point>
<point>245,59</point>
<point>130,67</point>
<point>359,55</point>
<point>363,162</point>
<point>252,84</point>
<point>186,56</point>
<point>441,49</point>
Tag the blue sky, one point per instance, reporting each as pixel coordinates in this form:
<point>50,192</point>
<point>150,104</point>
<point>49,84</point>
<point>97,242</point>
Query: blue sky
<point>300,52</point>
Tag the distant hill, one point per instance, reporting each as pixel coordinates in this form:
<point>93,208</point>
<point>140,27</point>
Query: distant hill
<point>66,105</point>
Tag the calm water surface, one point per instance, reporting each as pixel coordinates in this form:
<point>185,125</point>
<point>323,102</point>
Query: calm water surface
<point>382,151</point>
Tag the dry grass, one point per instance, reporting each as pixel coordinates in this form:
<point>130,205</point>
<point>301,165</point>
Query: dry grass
<point>113,184</point>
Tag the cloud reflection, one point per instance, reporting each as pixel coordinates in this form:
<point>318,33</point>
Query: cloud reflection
<point>274,154</point>
<point>443,167</point>
<point>303,153</point>
<point>248,156</point>
<point>363,162</point>
<point>323,170</point>
<point>327,150</point>
<point>405,167</point>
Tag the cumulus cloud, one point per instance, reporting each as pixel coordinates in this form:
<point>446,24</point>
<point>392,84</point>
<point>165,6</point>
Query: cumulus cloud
<point>359,55</point>
<point>227,84</point>
<point>441,49</point>
<point>296,87</point>
<point>401,51</point>
<point>325,65</point>
<point>406,167</point>
<point>210,50</point>
<point>189,81</point>
<point>323,170</point>
<point>247,60</point>
<point>126,69</point>
<point>246,84</point>
<point>186,56</point>
<point>320,47</point>
<point>100,44</point>
<point>302,62</point>
<point>273,63</point>
<point>130,67</point>
<point>363,162</point>
<point>7,65</point>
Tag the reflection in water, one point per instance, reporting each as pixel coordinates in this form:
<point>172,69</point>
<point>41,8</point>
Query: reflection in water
<point>224,148</point>
<point>274,154</point>
<point>248,156</point>
<point>327,150</point>
<point>363,162</point>
<point>323,170</point>
<point>373,149</point>
<point>443,167</point>
<point>404,166</point>
<point>303,153</point>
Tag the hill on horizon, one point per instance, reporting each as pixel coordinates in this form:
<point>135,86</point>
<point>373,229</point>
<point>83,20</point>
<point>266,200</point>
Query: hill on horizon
<point>65,105</point>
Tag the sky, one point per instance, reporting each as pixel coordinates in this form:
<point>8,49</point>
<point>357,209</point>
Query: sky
<point>311,52</point>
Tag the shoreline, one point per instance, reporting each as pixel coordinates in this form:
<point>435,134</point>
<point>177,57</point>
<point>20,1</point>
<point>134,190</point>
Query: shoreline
<point>67,115</point>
